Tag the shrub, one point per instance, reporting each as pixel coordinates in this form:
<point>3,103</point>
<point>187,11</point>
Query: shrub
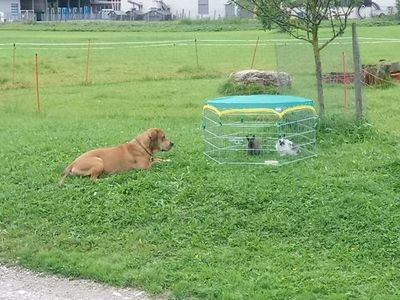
<point>229,88</point>
<point>342,129</point>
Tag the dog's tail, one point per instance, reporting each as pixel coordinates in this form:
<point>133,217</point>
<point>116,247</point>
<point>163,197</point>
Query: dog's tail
<point>66,172</point>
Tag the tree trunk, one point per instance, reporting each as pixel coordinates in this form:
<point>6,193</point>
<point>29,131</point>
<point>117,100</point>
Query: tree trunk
<point>318,75</point>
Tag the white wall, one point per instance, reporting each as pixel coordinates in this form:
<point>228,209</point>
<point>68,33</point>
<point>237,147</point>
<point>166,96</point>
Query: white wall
<point>5,7</point>
<point>216,7</point>
<point>188,7</point>
<point>385,3</point>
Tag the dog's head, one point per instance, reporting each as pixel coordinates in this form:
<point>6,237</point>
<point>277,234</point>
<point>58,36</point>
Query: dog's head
<point>158,140</point>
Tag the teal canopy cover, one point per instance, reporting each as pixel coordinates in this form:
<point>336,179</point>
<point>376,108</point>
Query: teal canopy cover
<point>279,102</point>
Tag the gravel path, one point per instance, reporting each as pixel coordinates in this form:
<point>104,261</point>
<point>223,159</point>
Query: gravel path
<point>17,283</point>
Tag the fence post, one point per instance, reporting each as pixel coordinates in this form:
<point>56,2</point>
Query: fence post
<point>87,63</point>
<point>254,54</point>
<point>280,87</point>
<point>14,49</point>
<point>13,66</point>
<point>37,83</point>
<point>197,54</point>
<point>357,74</point>
<point>345,81</point>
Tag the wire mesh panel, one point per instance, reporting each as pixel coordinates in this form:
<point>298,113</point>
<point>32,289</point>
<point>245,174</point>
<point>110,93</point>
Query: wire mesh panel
<point>300,128</point>
<point>297,60</point>
<point>259,135</point>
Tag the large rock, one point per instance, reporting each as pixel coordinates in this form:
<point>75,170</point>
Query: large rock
<point>272,78</point>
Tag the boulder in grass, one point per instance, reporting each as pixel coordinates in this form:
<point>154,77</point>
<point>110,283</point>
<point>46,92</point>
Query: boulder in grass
<point>271,78</point>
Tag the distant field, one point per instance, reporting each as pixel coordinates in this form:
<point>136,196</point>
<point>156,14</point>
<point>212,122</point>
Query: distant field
<point>326,228</point>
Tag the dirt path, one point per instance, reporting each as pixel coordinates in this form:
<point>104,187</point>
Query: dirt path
<point>20,284</point>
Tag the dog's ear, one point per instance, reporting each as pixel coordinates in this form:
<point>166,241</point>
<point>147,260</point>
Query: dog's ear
<point>153,134</point>
<point>254,135</point>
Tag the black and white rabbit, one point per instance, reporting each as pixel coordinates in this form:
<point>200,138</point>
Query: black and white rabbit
<point>285,146</point>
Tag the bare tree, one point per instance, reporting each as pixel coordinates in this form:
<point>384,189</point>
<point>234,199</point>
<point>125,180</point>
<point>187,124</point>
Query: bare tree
<point>302,20</point>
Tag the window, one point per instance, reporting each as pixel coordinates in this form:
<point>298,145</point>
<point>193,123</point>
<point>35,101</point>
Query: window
<point>203,7</point>
<point>14,11</point>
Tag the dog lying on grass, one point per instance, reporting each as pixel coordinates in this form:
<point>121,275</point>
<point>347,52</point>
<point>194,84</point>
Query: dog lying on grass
<point>136,154</point>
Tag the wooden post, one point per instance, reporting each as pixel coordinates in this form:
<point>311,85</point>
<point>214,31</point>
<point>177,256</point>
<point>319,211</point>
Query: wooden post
<point>276,57</point>
<point>277,67</point>
<point>357,74</point>
<point>197,54</point>
<point>254,54</point>
<point>37,83</point>
<point>345,78</point>
<point>13,65</point>
<point>87,62</point>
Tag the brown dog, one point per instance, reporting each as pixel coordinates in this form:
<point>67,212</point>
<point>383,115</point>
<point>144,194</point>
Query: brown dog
<point>136,154</point>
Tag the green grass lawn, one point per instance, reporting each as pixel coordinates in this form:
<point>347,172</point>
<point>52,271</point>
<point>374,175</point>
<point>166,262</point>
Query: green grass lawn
<point>326,228</point>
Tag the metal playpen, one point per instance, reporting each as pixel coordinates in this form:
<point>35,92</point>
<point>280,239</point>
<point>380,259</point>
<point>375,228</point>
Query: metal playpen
<point>259,129</point>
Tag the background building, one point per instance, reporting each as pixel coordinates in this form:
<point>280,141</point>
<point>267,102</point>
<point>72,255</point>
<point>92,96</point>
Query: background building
<point>10,9</point>
<point>191,9</point>
<point>49,10</point>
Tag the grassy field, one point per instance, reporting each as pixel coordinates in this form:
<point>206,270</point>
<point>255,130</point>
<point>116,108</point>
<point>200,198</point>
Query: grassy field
<point>326,228</point>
